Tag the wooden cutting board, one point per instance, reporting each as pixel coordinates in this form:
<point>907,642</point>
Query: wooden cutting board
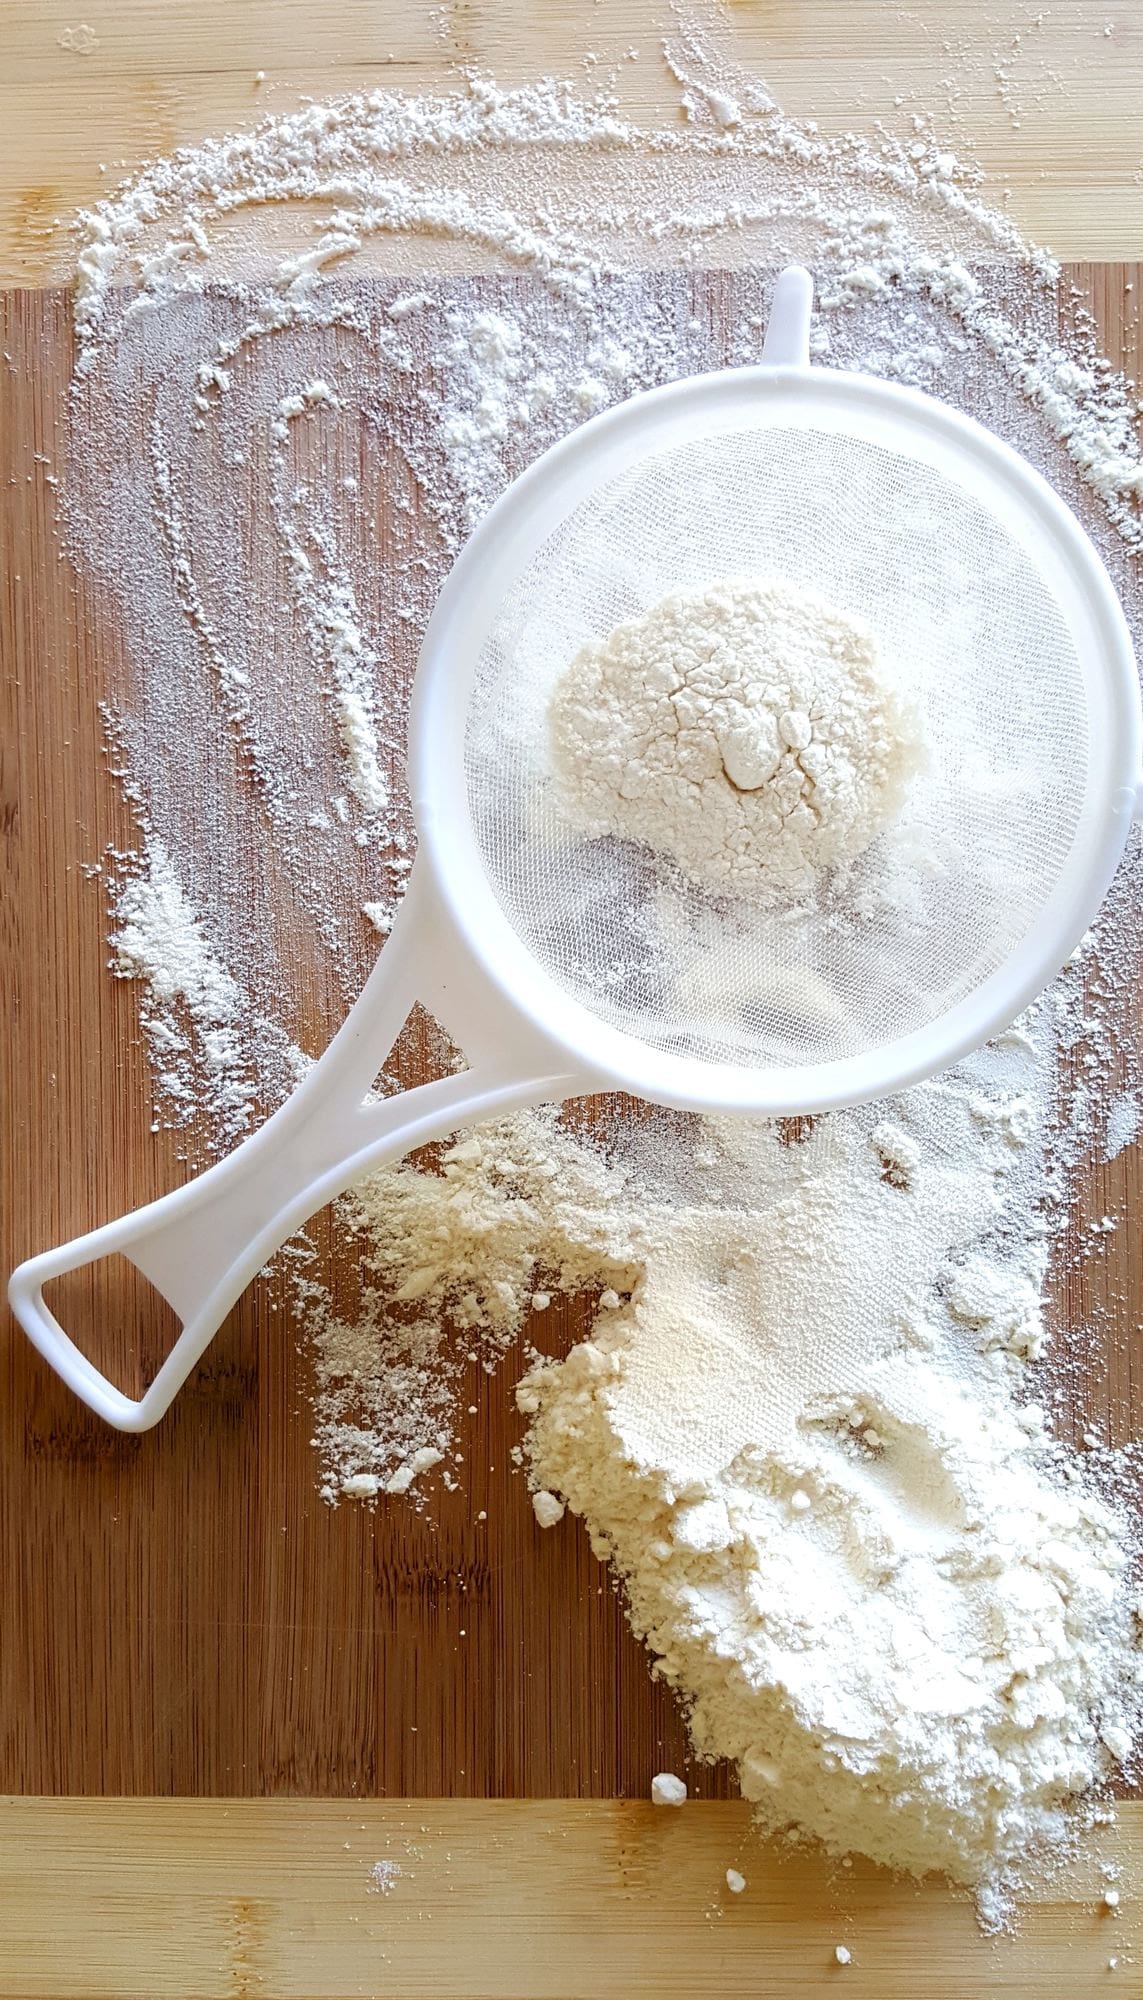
<point>184,1619</point>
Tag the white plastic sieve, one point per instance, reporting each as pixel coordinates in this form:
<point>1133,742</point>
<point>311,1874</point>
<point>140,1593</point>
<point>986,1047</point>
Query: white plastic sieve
<point>563,966</point>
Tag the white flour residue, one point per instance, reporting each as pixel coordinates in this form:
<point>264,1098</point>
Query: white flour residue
<point>668,1790</point>
<point>197,1020</point>
<point>1122,1124</point>
<point>278,452</point>
<point>499,389</point>
<point>161,939</point>
<point>194,1007</point>
<point>747,731</point>
<point>79,41</point>
<point>464,1244</point>
<point>329,608</point>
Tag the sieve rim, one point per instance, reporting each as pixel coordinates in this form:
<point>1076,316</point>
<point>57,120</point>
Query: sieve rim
<point>526,515</point>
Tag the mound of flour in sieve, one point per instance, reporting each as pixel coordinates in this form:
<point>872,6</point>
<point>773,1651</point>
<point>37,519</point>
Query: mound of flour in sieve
<point>748,730</point>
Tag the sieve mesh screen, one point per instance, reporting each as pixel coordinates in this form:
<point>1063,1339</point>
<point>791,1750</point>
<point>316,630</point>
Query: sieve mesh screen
<point>963,618</point>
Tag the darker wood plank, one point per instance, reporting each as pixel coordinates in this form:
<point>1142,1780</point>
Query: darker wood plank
<point>181,1613</point>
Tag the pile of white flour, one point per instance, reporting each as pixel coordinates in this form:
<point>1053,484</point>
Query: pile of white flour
<point>873,1579</point>
<point>747,730</point>
<point>801,1433</point>
<point>810,1429</point>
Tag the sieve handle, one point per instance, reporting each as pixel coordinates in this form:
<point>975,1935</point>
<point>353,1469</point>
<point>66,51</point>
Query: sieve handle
<point>201,1246</point>
<point>787,342</point>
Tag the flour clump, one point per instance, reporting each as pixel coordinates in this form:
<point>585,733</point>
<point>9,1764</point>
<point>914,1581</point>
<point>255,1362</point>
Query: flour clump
<point>748,730</point>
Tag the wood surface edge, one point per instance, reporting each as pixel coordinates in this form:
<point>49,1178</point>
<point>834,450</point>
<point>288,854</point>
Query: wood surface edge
<point>518,1899</point>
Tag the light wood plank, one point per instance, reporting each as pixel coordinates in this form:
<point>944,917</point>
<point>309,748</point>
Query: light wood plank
<point>1043,97</point>
<point>551,1900</point>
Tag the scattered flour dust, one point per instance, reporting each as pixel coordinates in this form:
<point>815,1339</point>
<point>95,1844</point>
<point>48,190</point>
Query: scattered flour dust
<point>464,1242</point>
<point>383,1877</point>
<point>329,609</point>
<point>208,1051</point>
<point>748,730</point>
<point>805,1428</point>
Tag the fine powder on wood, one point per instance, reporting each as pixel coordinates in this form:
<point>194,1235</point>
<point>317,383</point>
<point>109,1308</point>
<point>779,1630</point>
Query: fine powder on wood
<point>879,1283</point>
<point>747,730</point>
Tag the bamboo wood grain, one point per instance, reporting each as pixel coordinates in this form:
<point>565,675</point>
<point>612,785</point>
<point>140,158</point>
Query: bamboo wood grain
<point>549,1900</point>
<point>180,1614</point>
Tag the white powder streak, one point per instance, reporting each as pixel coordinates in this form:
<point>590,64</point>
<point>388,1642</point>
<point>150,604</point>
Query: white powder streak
<point>1122,1124</point>
<point>330,609</point>
<point>208,1051</point>
<point>161,939</point>
<point>194,1004</point>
